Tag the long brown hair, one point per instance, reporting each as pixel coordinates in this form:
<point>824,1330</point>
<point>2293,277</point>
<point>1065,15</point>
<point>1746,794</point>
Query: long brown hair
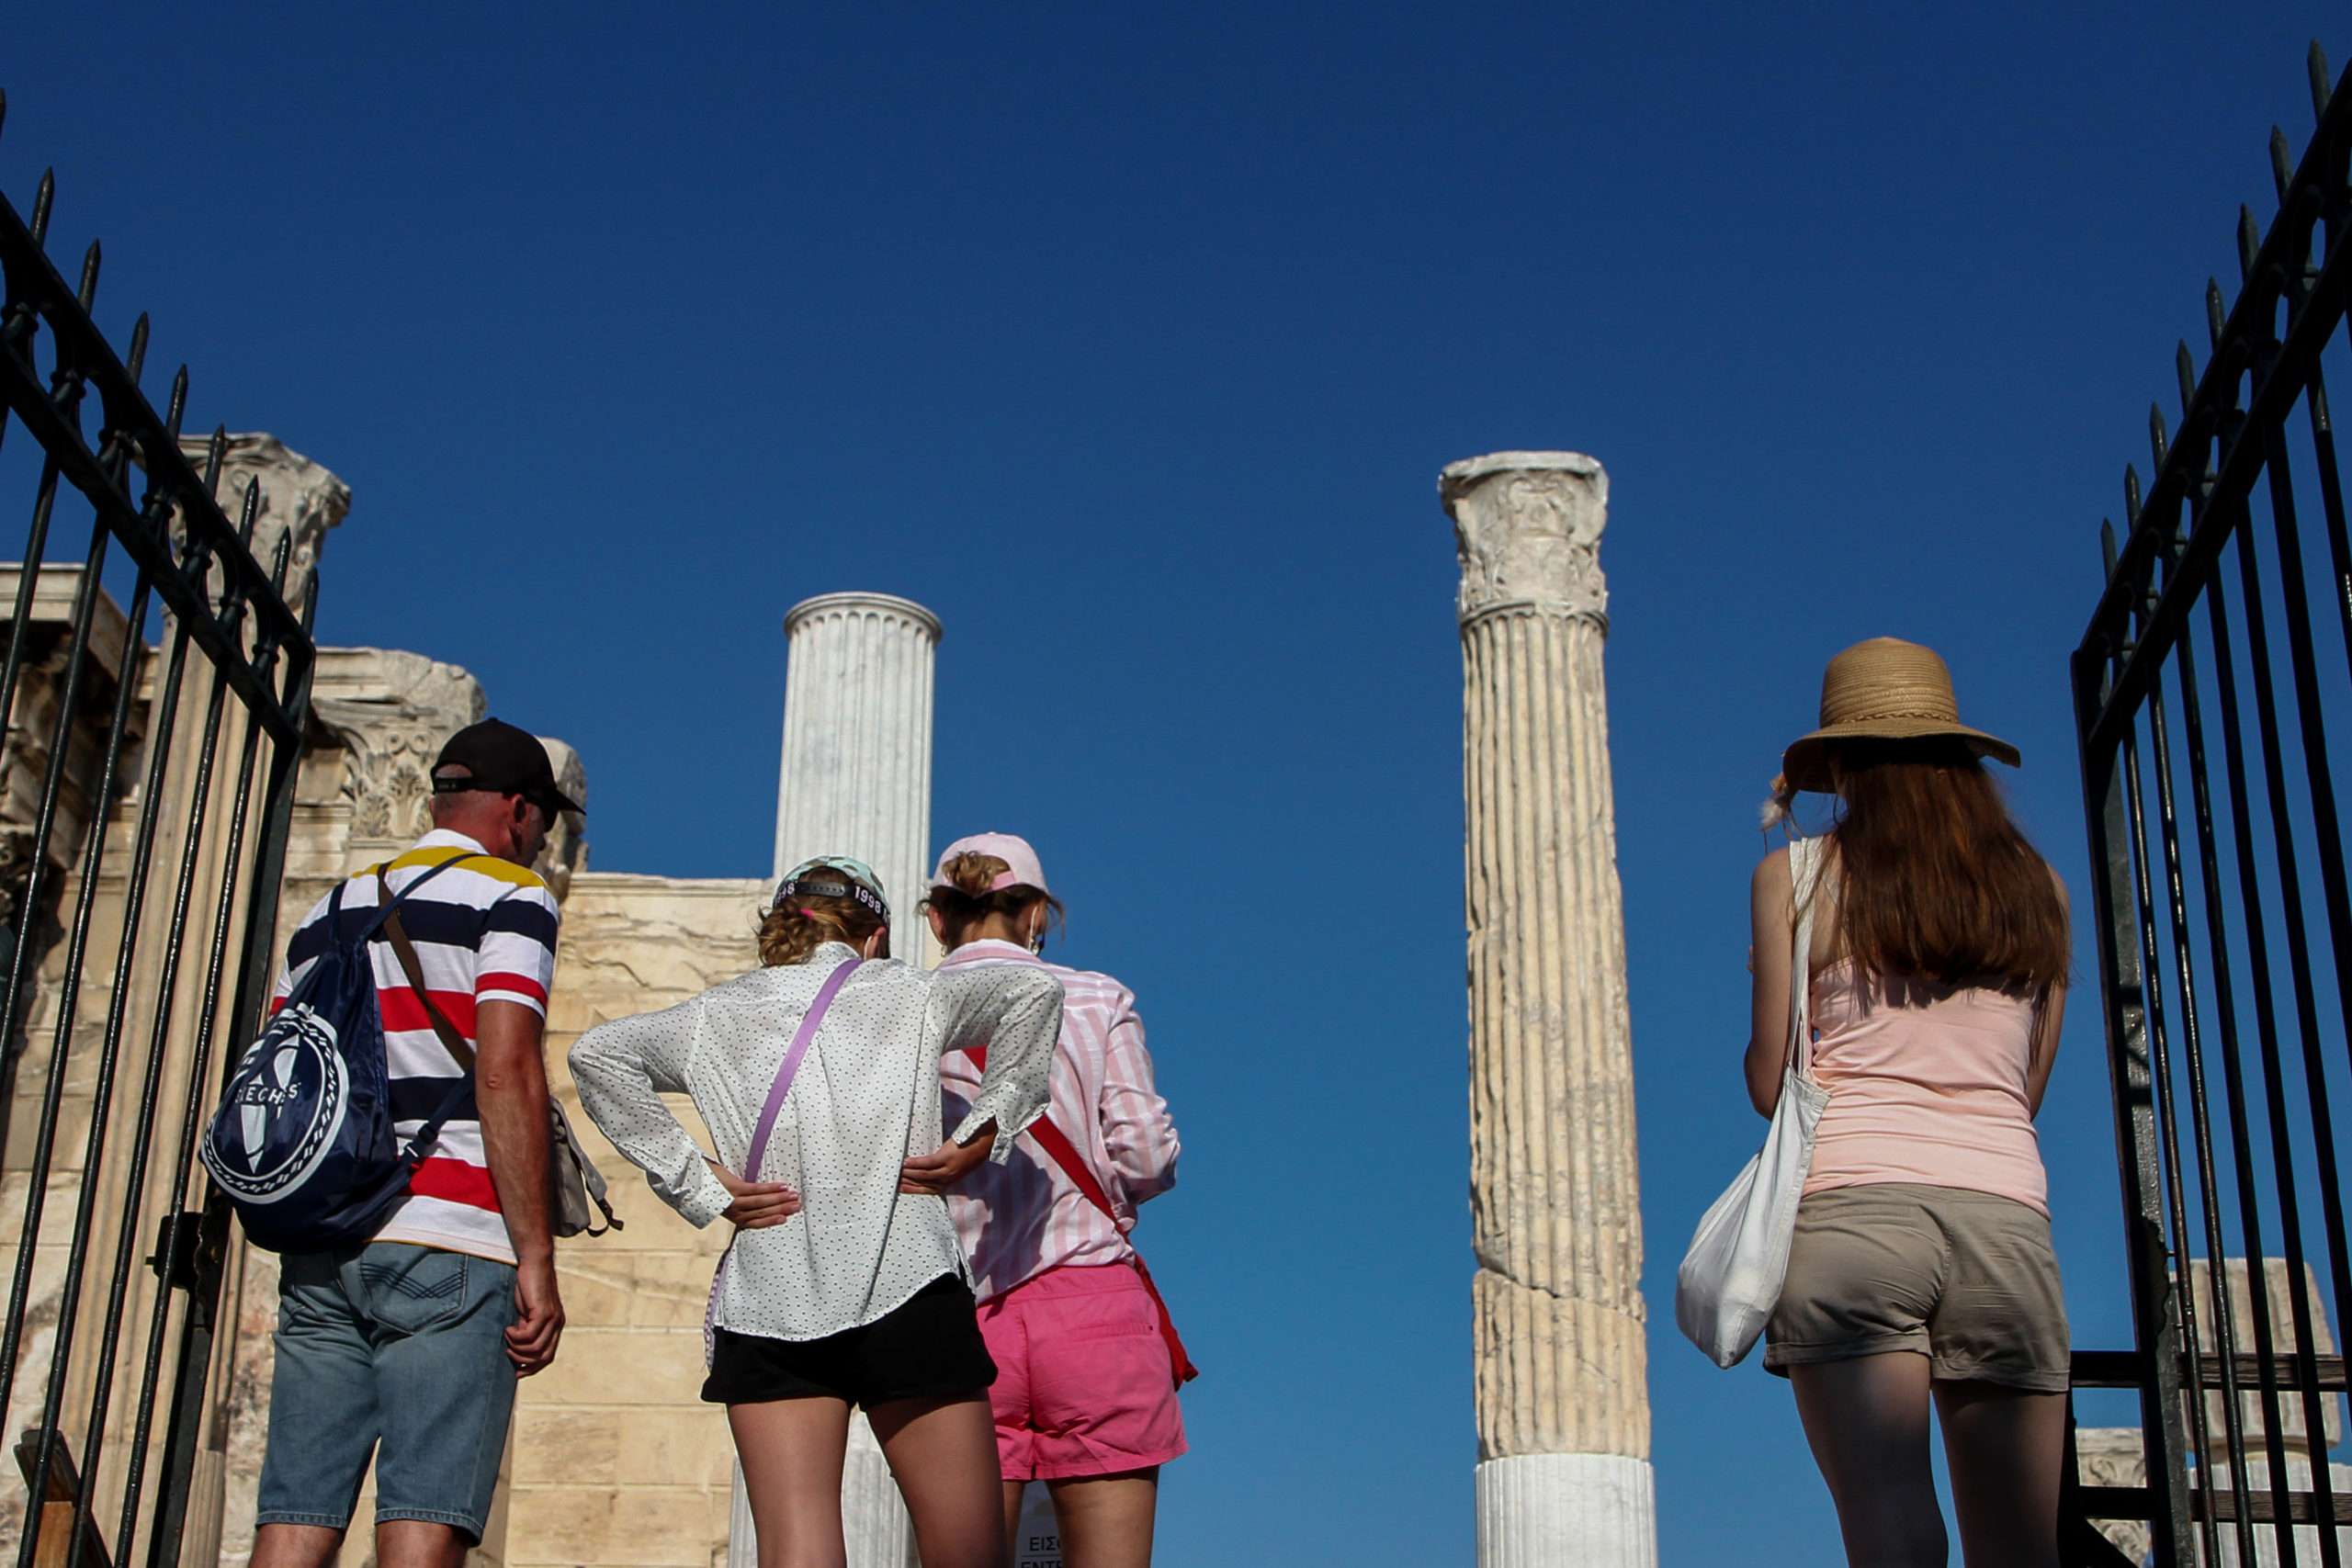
<point>802,923</point>
<point>1934,879</point>
<point>968,901</point>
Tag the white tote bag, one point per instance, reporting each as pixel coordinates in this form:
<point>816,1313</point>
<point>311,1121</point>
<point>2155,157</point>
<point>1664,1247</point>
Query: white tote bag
<point>1730,1280</point>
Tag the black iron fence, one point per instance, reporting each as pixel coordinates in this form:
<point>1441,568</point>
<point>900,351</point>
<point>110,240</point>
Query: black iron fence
<point>2204,692</point>
<point>123,760</point>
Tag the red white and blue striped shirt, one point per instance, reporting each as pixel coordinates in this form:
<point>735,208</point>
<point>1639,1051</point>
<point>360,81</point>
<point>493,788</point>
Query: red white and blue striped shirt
<point>484,932</point>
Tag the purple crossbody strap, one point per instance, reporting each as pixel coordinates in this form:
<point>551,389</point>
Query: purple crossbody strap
<point>766,1126</point>
<point>791,1068</point>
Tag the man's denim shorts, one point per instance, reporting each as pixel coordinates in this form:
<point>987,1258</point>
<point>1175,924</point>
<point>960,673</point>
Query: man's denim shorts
<point>396,1343</point>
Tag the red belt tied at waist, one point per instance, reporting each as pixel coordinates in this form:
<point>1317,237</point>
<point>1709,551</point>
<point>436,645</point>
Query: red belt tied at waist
<point>1057,1144</point>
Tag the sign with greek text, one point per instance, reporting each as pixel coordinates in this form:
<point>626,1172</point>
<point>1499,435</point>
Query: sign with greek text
<point>1036,1543</point>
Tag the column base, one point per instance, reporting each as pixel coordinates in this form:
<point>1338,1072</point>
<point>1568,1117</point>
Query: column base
<point>1567,1511</point>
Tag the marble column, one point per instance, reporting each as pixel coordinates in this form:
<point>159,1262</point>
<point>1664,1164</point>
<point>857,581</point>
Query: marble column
<point>874,1523</point>
<point>1561,1362</point>
<point>855,779</point>
<point>856,772</point>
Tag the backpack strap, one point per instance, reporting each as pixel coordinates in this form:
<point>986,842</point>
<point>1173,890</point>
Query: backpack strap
<point>1059,1147</point>
<point>334,915</point>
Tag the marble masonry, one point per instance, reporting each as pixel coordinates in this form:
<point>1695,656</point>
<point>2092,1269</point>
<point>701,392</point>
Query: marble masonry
<point>612,1461</point>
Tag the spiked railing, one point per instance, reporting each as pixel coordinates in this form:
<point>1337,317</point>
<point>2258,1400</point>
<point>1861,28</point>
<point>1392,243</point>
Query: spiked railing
<point>2225,1122</point>
<point>254,660</point>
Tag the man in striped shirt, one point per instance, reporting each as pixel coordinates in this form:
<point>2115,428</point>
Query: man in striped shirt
<point>415,1340</point>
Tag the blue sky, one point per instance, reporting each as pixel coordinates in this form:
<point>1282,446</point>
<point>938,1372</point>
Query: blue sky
<point>1131,339</point>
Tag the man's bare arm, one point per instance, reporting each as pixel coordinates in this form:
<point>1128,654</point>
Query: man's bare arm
<point>510,1090</point>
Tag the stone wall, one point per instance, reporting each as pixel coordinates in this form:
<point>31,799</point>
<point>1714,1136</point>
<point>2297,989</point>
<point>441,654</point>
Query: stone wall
<point>613,1461</point>
<point>616,1462</point>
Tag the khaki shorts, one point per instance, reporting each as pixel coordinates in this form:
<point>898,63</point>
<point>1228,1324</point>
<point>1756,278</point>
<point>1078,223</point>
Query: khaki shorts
<point>1966,1278</point>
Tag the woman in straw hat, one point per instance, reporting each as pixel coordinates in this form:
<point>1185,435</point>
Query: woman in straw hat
<point>1921,1269</point>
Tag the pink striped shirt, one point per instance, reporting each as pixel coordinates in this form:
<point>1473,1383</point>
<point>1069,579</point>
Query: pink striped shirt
<point>1021,1218</point>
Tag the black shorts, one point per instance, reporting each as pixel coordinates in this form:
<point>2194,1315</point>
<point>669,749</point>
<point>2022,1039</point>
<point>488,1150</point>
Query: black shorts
<point>928,1347</point>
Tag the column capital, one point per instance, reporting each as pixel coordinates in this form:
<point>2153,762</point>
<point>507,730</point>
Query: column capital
<point>1527,528</point>
<point>299,498</point>
<point>885,604</point>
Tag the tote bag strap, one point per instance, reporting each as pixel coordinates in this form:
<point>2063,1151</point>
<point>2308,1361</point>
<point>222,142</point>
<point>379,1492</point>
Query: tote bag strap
<point>1806,862</point>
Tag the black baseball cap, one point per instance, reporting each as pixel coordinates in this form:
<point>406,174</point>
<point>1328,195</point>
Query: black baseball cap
<point>503,759</point>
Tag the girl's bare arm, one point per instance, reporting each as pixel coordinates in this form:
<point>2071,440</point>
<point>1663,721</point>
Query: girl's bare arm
<point>2047,1023</point>
<point>1772,911</point>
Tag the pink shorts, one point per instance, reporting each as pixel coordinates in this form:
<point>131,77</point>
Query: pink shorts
<point>1082,1385</point>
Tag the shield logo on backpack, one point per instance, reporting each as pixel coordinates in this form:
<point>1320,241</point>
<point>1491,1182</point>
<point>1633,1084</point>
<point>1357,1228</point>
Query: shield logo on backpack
<point>290,1095</point>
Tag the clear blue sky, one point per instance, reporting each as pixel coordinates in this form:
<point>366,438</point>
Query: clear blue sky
<point>1131,339</point>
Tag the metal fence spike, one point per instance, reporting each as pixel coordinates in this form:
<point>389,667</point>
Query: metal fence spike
<point>2249,241</point>
<point>277,564</point>
<point>2130,497</point>
<point>2157,435</point>
<point>2107,544</point>
<point>90,289</point>
<point>137,359</point>
<point>2216,314</point>
<point>251,511</point>
<point>214,450</point>
<point>2320,89</point>
<point>178,405</point>
<point>41,200</point>
<point>2282,162</point>
<point>2188,368</point>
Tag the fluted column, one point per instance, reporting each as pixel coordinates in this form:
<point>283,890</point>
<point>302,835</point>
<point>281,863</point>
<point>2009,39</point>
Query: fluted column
<point>874,1524</point>
<point>855,779</point>
<point>1563,1402</point>
<point>856,772</point>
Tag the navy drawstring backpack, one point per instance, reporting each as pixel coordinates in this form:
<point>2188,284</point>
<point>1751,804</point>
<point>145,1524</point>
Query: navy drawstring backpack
<point>303,1143</point>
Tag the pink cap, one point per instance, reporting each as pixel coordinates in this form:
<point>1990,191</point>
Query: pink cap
<point>1009,848</point>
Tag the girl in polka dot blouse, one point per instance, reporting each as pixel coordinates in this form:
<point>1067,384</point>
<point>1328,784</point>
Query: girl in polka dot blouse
<point>845,1284</point>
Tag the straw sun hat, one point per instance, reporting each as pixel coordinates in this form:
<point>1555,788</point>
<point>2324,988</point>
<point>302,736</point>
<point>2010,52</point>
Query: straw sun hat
<point>1884,689</point>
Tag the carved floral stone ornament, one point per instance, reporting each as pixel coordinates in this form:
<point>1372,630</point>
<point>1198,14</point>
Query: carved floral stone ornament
<point>1527,528</point>
<point>299,498</point>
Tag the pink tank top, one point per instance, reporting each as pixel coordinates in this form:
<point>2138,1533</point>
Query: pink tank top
<point>1926,1085</point>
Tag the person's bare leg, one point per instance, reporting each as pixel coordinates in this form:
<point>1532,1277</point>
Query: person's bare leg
<point>792,1452</point>
<point>1866,1422</point>
<point>943,1453</point>
<point>1105,1520</point>
<point>419,1543</point>
<point>1012,1490</point>
<point>2005,1447</point>
<point>295,1546</point>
